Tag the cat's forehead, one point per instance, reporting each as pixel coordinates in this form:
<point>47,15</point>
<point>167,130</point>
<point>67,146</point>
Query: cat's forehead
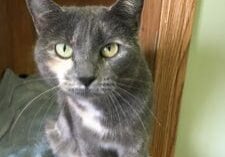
<point>81,20</point>
<point>84,15</point>
<point>87,27</point>
<point>85,23</point>
<point>86,10</point>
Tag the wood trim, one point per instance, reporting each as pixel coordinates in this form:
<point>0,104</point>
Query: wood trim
<point>150,29</point>
<point>168,58</point>
<point>4,38</point>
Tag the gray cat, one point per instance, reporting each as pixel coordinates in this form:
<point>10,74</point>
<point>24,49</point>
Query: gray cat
<point>104,85</point>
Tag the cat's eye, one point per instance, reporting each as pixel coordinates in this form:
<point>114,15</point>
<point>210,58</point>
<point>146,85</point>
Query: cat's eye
<point>63,51</point>
<point>110,50</point>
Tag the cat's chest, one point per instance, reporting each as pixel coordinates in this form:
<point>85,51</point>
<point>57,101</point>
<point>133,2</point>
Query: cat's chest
<point>90,116</point>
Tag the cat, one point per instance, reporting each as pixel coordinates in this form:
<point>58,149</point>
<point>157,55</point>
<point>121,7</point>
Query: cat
<point>103,82</point>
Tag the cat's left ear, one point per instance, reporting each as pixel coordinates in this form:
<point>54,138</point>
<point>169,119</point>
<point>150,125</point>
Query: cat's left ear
<point>129,11</point>
<point>42,11</point>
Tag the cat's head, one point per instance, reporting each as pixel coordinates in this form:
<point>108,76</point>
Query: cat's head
<point>88,49</point>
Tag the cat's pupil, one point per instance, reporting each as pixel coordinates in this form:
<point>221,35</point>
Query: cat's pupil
<point>64,48</point>
<point>109,48</point>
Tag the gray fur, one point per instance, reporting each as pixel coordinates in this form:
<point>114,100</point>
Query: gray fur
<point>121,91</point>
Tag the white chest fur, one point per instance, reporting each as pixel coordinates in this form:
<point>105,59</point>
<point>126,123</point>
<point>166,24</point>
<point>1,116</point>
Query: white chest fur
<point>116,146</point>
<point>90,116</point>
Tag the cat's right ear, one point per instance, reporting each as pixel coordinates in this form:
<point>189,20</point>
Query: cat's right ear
<point>42,11</point>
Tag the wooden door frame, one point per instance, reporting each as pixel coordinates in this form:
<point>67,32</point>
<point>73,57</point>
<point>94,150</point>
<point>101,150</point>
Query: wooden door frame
<point>165,36</point>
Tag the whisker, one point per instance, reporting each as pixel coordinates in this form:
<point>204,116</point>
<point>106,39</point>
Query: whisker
<point>45,115</point>
<point>29,130</point>
<point>127,85</point>
<point>61,145</point>
<point>134,80</point>
<point>36,114</point>
<point>121,108</point>
<point>39,79</point>
<point>135,112</point>
<point>24,83</point>
<point>26,106</point>
<point>107,100</point>
<point>116,110</point>
<point>139,101</point>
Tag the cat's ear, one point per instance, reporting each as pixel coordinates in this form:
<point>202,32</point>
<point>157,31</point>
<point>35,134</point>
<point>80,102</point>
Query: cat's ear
<point>129,11</point>
<point>42,11</point>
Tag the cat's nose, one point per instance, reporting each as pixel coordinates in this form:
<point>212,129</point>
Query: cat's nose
<point>86,81</point>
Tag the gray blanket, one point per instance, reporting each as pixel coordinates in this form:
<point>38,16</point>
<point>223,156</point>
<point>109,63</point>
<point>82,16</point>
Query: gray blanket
<point>23,112</point>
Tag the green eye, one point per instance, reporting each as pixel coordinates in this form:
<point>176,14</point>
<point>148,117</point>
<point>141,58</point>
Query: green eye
<point>110,50</point>
<point>63,51</point>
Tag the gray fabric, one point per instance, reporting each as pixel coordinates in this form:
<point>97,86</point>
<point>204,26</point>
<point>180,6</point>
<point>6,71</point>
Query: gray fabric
<point>25,138</point>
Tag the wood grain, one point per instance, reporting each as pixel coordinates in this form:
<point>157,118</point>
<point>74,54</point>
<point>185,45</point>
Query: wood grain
<point>149,30</point>
<point>16,38</point>
<point>4,38</point>
<point>170,57</point>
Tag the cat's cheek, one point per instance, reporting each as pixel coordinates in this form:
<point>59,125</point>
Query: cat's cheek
<point>60,68</point>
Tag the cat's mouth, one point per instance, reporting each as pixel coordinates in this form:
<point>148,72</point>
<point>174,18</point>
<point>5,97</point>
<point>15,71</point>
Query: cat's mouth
<point>84,92</point>
<point>90,91</point>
